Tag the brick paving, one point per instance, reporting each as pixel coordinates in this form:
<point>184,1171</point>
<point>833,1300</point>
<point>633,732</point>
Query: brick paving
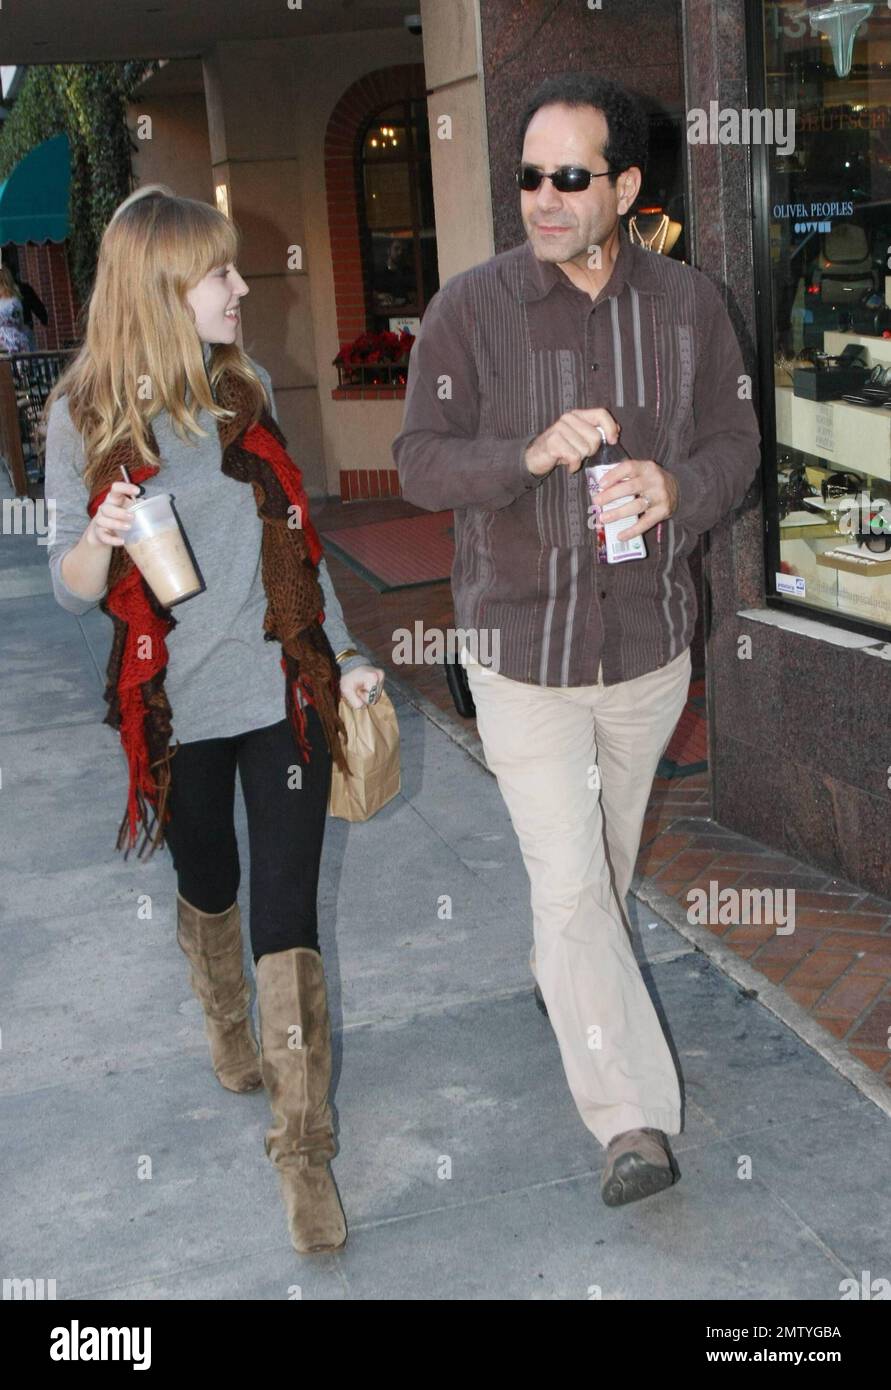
<point>836,964</point>
<point>400,552</point>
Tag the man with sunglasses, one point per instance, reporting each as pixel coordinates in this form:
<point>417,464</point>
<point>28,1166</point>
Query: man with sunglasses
<point>523,368</point>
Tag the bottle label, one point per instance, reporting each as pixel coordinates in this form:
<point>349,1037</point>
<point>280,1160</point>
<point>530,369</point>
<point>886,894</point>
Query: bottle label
<point>610,550</point>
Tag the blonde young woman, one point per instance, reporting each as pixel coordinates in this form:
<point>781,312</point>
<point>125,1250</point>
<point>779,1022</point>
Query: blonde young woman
<point>245,676</point>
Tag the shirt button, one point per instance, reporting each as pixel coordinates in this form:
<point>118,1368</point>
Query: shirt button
<point>603,593</point>
<point>594,367</point>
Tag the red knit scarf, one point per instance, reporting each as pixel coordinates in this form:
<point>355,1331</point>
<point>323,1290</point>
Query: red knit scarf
<point>252,453</point>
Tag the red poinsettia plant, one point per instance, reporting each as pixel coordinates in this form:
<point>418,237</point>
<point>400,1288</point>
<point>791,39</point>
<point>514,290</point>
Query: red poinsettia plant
<point>371,348</point>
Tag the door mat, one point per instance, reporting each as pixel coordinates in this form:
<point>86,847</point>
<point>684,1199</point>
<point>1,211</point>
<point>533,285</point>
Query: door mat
<point>399,554</point>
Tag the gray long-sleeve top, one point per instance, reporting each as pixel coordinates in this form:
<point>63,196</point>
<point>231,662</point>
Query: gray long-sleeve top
<point>223,678</point>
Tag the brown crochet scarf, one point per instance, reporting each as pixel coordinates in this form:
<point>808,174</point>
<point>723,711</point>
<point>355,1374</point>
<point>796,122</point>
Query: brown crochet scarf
<point>138,705</point>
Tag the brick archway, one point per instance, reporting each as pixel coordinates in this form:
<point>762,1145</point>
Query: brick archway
<point>370,94</point>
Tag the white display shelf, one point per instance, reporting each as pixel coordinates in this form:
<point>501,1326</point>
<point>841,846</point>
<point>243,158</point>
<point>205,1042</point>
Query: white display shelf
<point>831,587</point>
<point>878,350</point>
<point>857,437</point>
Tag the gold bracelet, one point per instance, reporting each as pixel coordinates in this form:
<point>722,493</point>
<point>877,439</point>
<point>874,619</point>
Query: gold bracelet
<point>347,651</point>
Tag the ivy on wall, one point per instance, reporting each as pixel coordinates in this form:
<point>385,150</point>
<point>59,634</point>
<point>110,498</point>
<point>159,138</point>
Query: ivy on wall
<point>88,103</point>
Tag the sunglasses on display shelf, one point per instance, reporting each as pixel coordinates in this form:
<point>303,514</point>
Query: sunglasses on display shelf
<point>875,391</point>
<point>569,178</point>
<point>878,545</point>
<point>874,534</point>
<point>840,485</point>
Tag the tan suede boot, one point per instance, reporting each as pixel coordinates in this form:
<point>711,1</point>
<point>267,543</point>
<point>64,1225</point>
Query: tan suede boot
<point>212,943</point>
<point>295,1055</point>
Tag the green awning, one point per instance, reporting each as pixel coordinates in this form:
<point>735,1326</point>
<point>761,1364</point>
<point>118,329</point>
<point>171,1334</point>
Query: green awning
<point>34,199</point>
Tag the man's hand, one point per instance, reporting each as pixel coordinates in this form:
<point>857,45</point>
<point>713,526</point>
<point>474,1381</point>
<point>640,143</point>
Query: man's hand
<point>644,478</point>
<point>574,437</point>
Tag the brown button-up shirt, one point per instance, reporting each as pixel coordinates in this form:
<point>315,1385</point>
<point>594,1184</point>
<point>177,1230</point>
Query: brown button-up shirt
<point>504,349</point>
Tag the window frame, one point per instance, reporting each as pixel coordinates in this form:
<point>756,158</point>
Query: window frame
<point>365,230</point>
<point>764,321</point>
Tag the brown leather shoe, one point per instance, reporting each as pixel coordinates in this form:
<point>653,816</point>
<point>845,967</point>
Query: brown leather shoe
<point>638,1164</point>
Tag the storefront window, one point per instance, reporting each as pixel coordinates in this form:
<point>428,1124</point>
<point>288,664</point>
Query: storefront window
<point>825,211</point>
<point>397,228</point>
<point>658,219</point>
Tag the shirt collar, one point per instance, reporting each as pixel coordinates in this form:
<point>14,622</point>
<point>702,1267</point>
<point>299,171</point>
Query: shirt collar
<point>633,266</point>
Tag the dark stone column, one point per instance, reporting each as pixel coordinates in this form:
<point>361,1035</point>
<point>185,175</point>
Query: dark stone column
<point>638,42</point>
<point>721,246</point>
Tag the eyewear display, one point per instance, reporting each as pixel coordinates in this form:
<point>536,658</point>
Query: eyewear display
<point>840,485</point>
<point>872,534</point>
<point>569,178</point>
<point>878,544</point>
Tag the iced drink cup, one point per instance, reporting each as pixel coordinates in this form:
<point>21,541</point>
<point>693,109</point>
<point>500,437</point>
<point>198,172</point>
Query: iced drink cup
<point>157,547</point>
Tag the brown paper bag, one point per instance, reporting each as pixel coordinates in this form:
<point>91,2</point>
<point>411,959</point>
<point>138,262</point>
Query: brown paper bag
<point>372,751</point>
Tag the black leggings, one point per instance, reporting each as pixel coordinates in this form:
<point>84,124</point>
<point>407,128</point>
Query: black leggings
<point>286,826</point>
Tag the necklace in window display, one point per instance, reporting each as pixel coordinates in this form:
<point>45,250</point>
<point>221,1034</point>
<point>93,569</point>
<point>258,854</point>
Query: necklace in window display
<point>839,21</point>
<point>785,364</point>
<point>659,236</point>
<point>654,228</point>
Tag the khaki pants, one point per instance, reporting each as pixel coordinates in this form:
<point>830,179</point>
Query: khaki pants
<point>575,765</point>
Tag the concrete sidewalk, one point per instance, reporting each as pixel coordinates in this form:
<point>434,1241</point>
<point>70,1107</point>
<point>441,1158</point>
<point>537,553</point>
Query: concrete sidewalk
<point>464,1168</point>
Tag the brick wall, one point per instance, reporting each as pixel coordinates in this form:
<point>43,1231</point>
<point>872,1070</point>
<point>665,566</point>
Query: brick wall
<point>45,268</point>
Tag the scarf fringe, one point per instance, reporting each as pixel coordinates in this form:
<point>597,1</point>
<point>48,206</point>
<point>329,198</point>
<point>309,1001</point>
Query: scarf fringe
<point>325,706</point>
<point>147,810</point>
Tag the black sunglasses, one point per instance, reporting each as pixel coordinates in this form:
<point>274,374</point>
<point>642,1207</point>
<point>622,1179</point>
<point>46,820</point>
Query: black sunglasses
<point>840,485</point>
<point>567,179</point>
<point>873,534</point>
